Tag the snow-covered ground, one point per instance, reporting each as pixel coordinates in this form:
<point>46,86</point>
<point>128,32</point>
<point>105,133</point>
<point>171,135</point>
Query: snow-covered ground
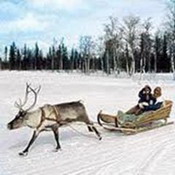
<point>148,153</point>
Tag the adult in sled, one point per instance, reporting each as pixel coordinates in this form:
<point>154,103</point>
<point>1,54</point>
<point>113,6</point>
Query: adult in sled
<point>156,115</point>
<point>156,101</point>
<point>145,100</point>
<point>145,97</point>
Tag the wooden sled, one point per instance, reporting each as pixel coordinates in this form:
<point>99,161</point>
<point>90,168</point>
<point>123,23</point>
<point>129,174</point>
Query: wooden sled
<point>149,120</point>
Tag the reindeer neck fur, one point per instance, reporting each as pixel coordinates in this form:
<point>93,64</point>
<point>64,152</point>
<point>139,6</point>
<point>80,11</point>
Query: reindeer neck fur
<point>33,118</point>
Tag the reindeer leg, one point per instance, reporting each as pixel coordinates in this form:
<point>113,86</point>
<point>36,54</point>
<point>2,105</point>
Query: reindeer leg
<point>90,129</point>
<point>56,135</point>
<point>34,136</point>
<point>96,131</point>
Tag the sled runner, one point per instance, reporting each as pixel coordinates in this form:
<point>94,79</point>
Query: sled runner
<point>131,123</point>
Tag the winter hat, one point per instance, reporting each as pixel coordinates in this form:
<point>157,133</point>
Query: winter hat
<point>147,89</point>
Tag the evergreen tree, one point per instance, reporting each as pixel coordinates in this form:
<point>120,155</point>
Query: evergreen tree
<point>66,61</point>
<point>12,57</point>
<point>166,63</point>
<point>36,57</point>
<point>24,58</point>
<point>72,60</point>
<point>18,60</point>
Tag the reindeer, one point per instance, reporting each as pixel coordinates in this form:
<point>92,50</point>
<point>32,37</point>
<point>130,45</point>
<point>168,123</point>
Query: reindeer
<point>48,117</point>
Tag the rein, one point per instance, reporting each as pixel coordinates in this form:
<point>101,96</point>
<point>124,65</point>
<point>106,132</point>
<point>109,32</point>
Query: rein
<point>56,114</point>
<point>57,120</point>
<point>80,133</point>
<point>42,118</point>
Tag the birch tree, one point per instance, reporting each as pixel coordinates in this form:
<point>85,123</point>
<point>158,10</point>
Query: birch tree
<point>113,41</point>
<point>146,46</point>
<point>86,46</point>
<point>101,51</point>
<point>170,27</point>
<point>131,36</point>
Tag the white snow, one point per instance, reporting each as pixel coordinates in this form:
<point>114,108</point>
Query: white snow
<point>147,153</point>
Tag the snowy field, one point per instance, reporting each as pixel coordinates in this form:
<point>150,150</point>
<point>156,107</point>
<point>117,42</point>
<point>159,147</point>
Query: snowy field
<point>148,153</point>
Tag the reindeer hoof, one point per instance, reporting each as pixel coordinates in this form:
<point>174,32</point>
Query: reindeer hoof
<point>23,153</point>
<point>100,138</point>
<point>57,149</point>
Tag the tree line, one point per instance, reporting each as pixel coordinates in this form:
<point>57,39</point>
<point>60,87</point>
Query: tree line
<point>127,45</point>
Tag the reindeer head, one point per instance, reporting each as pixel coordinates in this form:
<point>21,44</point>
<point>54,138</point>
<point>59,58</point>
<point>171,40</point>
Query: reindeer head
<point>21,117</point>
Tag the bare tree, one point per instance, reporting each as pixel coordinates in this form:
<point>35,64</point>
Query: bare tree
<point>131,36</point>
<point>146,46</point>
<point>86,46</point>
<point>94,55</point>
<point>100,50</point>
<point>170,28</point>
<point>113,42</point>
<point>157,49</point>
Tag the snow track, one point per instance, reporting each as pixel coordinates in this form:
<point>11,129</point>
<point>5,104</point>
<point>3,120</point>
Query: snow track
<point>147,153</point>
<point>139,155</point>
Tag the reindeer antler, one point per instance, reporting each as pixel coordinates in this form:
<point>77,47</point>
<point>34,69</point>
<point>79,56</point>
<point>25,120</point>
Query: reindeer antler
<point>29,89</point>
<point>35,91</point>
<point>21,104</point>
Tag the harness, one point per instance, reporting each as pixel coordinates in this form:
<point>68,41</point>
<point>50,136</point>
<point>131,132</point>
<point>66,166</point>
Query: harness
<point>57,119</point>
<point>43,116</point>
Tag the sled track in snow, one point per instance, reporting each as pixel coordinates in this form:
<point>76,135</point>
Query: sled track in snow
<point>115,153</point>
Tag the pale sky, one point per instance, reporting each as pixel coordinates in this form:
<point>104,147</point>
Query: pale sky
<point>31,21</point>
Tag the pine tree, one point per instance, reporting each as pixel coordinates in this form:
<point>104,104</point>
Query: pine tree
<point>66,61</point>
<point>24,57</point>
<point>18,60</point>
<point>36,58</point>
<point>165,59</point>
<point>12,57</point>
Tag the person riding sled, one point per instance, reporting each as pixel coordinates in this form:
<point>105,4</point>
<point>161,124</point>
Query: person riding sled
<point>147,101</point>
<point>145,97</point>
<point>156,101</point>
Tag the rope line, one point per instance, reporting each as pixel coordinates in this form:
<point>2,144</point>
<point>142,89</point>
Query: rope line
<point>80,133</point>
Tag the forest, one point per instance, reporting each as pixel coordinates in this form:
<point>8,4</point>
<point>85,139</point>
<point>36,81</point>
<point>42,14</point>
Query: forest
<point>131,45</point>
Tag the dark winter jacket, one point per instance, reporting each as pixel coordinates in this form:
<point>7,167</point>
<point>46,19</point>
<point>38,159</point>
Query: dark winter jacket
<point>146,97</point>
